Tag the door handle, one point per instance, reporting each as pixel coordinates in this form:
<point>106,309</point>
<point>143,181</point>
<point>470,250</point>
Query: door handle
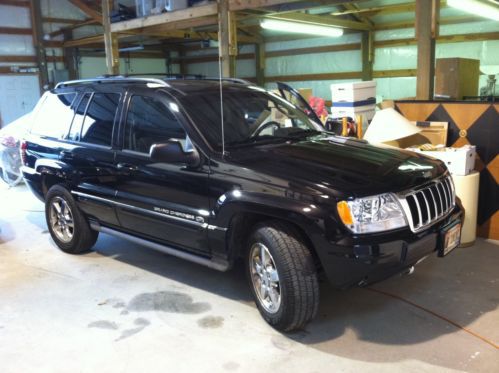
<point>126,167</point>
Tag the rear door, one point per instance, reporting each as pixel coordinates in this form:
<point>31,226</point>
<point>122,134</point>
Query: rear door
<point>91,152</point>
<point>166,202</point>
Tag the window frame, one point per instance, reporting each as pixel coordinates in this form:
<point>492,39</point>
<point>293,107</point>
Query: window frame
<point>116,120</point>
<point>124,118</point>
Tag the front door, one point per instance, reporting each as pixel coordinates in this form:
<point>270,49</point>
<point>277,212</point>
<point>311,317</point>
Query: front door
<point>165,202</point>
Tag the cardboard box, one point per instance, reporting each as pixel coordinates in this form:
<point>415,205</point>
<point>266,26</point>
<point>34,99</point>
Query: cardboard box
<point>459,161</point>
<point>306,93</point>
<point>434,133</point>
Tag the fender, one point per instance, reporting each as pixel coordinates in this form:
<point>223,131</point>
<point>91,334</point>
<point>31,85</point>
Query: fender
<point>56,169</point>
<point>314,220</point>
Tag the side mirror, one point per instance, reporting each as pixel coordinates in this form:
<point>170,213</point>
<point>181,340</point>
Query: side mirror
<point>173,152</point>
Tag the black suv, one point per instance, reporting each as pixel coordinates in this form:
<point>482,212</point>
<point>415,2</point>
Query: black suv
<point>166,165</point>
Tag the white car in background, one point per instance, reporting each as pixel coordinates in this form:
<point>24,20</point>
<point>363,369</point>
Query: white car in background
<point>10,159</point>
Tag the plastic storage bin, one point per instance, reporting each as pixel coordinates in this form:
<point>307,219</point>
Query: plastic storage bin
<point>366,111</point>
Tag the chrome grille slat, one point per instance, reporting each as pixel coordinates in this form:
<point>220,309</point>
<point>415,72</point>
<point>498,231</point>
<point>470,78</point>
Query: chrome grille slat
<point>448,193</point>
<point>427,207</point>
<point>434,201</point>
<point>415,202</point>
<point>440,201</point>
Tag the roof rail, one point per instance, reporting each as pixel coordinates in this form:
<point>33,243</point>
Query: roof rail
<point>111,79</point>
<point>231,80</point>
<point>191,77</point>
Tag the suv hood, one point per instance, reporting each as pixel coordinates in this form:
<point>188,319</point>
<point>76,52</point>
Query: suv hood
<point>343,166</point>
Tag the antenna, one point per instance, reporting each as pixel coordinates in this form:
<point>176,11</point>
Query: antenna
<point>221,103</point>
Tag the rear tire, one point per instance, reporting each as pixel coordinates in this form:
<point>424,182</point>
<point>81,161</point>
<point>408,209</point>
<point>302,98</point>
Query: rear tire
<point>66,223</point>
<point>284,284</point>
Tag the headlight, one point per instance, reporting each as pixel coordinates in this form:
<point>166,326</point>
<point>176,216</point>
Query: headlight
<point>372,214</point>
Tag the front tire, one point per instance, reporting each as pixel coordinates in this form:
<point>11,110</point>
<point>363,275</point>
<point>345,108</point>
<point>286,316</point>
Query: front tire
<point>282,276</point>
<point>67,225</point>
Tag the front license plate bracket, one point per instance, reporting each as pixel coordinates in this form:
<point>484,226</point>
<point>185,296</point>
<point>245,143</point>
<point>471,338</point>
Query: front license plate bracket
<point>449,238</point>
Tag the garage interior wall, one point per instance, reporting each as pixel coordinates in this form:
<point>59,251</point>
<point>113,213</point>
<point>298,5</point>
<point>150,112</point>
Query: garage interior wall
<point>386,58</point>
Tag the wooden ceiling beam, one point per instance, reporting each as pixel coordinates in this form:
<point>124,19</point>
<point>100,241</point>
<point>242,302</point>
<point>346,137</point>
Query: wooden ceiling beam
<point>15,30</point>
<point>387,9</point>
<point>235,5</point>
<point>359,17</point>
<point>87,10</point>
<point>19,3</point>
<point>62,20</point>
<point>410,24</point>
<point>61,31</point>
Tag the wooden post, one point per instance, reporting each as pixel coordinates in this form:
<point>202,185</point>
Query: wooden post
<point>260,63</point>
<point>225,44</point>
<point>233,50</point>
<point>425,23</point>
<point>41,57</point>
<point>110,40</point>
<point>70,56</point>
<point>367,49</point>
<point>181,55</point>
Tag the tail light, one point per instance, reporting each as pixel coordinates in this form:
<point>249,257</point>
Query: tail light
<point>22,149</point>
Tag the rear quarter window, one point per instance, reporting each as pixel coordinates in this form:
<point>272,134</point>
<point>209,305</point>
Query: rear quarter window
<point>54,116</point>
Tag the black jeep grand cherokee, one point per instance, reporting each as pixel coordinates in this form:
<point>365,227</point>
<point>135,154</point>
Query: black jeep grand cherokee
<point>147,160</point>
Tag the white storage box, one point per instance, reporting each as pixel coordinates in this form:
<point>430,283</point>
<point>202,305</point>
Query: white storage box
<point>172,5</point>
<point>459,161</point>
<point>366,111</point>
<point>353,92</point>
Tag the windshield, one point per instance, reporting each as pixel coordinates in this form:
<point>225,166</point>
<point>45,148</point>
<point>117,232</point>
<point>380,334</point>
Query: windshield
<point>251,116</point>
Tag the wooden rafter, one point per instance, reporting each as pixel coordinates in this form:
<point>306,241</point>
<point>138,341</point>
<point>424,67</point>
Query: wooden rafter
<point>359,17</point>
<point>20,3</point>
<point>15,30</point>
<point>387,9</point>
<point>62,30</point>
<point>85,8</point>
<point>61,20</point>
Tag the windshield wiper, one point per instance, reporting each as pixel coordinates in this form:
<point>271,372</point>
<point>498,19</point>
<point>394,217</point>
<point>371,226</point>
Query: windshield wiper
<point>260,140</point>
<point>300,133</point>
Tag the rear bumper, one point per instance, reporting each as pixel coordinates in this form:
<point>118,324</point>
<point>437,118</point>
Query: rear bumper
<point>33,180</point>
<point>363,260</point>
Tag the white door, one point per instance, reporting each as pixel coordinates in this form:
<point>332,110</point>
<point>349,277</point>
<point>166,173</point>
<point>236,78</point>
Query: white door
<point>18,96</point>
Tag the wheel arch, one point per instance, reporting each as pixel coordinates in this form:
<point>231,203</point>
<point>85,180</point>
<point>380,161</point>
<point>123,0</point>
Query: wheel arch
<point>245,219</point>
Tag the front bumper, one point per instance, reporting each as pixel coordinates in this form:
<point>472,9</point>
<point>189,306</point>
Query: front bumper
<point>361,260</point>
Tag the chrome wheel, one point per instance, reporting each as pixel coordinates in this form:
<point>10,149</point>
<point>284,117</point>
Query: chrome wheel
<point>61,219</point>
<point>265,278</point>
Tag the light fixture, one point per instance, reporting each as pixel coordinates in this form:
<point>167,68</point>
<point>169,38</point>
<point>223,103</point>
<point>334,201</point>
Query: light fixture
<point>301,28</point>
<point>132,49</point>
<point>476,7</point>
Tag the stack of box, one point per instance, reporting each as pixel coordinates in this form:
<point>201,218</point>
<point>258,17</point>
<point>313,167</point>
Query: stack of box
<point>353,99</point>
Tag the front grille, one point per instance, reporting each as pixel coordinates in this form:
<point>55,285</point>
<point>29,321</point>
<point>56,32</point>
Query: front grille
<point>427,205</point>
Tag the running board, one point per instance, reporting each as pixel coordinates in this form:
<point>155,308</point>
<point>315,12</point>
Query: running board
<point>218,265</point>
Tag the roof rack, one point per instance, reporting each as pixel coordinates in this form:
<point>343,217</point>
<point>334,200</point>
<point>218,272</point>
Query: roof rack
<point>111,79</point>
<point>136,78</point>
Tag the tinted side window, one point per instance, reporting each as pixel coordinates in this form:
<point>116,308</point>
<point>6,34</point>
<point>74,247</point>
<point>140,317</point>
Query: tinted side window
<point>74,132</point>
<point>149,122</point>
<point>99,119</point>
<point>54,117</point>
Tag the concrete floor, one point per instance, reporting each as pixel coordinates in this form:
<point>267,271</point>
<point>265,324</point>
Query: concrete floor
<point>124,308</point>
